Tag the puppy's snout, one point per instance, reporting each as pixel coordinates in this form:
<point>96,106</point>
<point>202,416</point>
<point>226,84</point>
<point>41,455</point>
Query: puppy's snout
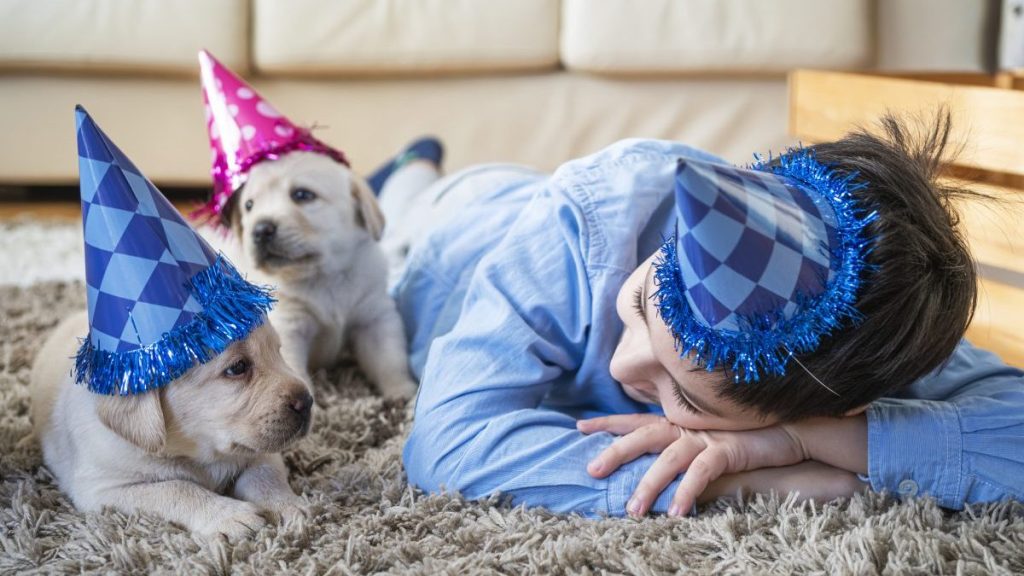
<point>264,231</point>
<point>301,403</point>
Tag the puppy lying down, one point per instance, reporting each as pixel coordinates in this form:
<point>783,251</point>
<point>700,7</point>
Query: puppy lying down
<point>309,226</point>
<point>202,451</point>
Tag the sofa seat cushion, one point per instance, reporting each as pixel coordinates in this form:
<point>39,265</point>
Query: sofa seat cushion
<point>389,36</point>
<point>693,36</point>
<point>121,35</point>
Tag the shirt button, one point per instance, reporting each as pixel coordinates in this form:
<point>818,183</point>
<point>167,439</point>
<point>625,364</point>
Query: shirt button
<point>907,488</point>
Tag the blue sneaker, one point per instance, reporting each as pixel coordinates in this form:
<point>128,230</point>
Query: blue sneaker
<point>426,148</point>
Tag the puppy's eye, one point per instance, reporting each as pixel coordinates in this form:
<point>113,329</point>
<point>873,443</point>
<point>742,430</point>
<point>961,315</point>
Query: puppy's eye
<point>300,195</point>
<point>248,205</point>
<point>238,369</point>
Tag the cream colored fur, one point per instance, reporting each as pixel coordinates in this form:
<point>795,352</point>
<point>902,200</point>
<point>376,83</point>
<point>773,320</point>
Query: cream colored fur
<point>329,272</point>
<point>178,450</point>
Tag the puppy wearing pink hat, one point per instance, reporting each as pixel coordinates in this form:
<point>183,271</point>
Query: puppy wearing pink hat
<point>302,220</point>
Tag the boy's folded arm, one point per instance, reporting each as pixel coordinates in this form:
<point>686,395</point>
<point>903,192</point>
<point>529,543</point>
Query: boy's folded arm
<point>479,426</point>
<point>809,480</point>
<point>534,456</point>
<point>838,442</point>
<point>965,448</point>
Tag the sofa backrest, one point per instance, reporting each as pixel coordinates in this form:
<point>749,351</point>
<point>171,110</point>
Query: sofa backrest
<point>415,37</point>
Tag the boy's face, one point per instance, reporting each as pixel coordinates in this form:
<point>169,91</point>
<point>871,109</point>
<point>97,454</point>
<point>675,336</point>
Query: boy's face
<point>650,370</point>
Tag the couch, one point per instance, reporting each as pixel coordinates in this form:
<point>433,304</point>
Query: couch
<point>530,81</point>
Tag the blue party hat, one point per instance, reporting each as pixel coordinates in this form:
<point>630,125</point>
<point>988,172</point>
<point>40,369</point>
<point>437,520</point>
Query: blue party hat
<point>765,262</point>
<point>160,299</point>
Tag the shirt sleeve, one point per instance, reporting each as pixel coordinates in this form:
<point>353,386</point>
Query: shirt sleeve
<point>479,426</point>
<point>960,440</point>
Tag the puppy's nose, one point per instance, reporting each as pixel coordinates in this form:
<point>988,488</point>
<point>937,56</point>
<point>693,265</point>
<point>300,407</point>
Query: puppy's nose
<point>263,231</point>
<point>301,403</point>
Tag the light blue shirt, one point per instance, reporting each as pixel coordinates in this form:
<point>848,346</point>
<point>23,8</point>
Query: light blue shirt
<point>510,309</point>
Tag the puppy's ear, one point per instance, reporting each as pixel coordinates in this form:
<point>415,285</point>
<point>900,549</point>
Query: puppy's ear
<point>231,216</point>
<point>368,211</point>
<point>138,418</point>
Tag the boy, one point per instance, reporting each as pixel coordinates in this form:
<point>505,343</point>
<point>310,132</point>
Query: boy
<point>551,309</point>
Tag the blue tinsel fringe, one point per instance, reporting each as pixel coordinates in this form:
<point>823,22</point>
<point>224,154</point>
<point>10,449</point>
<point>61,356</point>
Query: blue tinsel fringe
<point>232,308</point>
<point>765,343</point>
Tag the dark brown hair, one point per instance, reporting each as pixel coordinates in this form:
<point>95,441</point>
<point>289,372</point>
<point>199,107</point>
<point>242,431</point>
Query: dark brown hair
<point>916,300</point>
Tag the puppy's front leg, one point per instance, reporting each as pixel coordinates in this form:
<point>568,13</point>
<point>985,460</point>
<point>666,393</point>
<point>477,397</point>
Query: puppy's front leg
<point>297,328</point>
<point>265,484</point>
<point>188,504</point>
<point>382,353</point>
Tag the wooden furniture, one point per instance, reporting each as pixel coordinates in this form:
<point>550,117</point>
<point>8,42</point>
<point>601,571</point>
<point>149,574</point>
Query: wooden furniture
<point>988,117</point>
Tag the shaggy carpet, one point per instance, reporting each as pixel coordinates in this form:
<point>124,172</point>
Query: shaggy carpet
<point>366,519</point>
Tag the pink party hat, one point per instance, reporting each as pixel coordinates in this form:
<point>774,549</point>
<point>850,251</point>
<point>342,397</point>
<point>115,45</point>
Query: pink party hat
<point>244,131</point>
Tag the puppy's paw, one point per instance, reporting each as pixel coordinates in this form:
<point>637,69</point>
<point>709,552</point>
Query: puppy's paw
<point>403,388</point>
<point>236,522</point>
<point>286,511</point>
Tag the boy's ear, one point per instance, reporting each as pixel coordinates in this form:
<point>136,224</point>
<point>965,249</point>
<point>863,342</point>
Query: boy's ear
<point>138,418</point>
<point>368,211</point>
<point>856,411</point>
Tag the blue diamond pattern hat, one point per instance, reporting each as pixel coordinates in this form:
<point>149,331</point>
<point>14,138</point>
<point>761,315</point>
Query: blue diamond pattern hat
<point>160,299</point>
<point>765,261</point>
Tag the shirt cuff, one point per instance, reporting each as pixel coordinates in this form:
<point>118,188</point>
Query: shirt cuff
<point>915,448</point>
<point>622,485</point>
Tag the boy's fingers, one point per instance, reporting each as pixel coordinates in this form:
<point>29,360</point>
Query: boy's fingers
<point>673,461</point>
<point>705,468</point>
<point>649,439</point>
<point>618,424</point>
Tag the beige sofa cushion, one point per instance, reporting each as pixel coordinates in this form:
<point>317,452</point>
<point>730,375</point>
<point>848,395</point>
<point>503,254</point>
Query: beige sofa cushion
<point>385,36</point>
<point>122,35</point>
<point>685,36</point>
<point>541,120</point>
<point>936,35</point>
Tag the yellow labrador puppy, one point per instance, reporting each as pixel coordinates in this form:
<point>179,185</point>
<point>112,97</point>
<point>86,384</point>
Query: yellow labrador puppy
<point>174,451</point>
<point>309,226</point>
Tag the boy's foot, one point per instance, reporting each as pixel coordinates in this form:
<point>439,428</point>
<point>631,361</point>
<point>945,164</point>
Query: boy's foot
<point>427,148</point>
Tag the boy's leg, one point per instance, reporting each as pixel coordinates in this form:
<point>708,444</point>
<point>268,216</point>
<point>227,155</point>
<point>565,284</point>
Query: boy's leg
<point>403,188</point>
<point>454,191</point>
<point>426,148</point>
<point>399,201</point>
<point>422,209</point>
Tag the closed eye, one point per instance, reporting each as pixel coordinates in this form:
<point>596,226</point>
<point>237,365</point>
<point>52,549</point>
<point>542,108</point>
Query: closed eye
<point>638,303</point>
<point>682,401</point>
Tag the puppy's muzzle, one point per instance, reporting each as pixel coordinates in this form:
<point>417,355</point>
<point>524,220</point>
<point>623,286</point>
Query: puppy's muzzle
<point>300,404</point>
<point>267,250</point>
<point>263,232</point>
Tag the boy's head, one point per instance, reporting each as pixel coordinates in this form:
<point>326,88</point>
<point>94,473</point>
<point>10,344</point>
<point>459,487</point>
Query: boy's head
<point>915,297</point>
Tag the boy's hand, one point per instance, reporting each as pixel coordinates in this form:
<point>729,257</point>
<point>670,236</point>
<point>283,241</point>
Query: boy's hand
<point>704,455</point>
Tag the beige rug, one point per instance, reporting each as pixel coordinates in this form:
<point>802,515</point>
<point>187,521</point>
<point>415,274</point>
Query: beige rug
<point>366,519</point>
